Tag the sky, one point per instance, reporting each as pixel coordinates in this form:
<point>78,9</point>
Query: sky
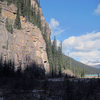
<point>75,23</point>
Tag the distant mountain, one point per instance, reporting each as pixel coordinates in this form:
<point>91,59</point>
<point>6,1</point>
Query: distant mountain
<point>97,66</point>
<point>78,65</point>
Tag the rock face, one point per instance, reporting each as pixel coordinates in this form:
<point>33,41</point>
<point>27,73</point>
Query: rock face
<point>24,46</point>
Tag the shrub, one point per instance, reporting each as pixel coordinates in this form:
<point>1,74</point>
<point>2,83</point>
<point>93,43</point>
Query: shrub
<point>4,47</point>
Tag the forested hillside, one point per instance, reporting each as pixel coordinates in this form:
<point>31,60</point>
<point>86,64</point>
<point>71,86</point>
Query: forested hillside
<point>77,66</point>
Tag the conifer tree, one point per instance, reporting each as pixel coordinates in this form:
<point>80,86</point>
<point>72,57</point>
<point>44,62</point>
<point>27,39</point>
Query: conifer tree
<point>17,23</point>
<point>49,50</point>
<point>0,10</point>
<point>38,19</point>
<point>28,9</point>
<point>21,6</point>
<point>9,26</point>
<point>50,57</point>
<point>33,15</point>
<point>54,51</point>
<point>60,59</point>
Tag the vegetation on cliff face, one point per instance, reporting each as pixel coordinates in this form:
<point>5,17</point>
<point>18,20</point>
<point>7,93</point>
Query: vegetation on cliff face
<point>25,9</point>
<point>17,21</point>
<point>9,26</point>
<point>0,10</point>
<point>54,56</point>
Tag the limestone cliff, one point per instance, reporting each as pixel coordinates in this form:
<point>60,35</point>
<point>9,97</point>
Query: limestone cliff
<point>23,46</point>
<point>43,22</point>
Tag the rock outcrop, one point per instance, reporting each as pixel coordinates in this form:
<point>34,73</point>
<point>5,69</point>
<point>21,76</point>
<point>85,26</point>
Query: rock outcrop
<point>24,46</point>
<point>43,22</point>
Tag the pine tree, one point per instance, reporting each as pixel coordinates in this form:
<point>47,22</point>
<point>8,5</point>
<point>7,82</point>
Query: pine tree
<point>21,6</point>
<point>38,19</point>
<point>33,14</point>
<point>0,10</point>
<point>50,57</point>
<point>28,9</point>
<point>49,51</point>
<point>54,51</point>
<point>9,2</point>
<point>9,26</point>
<point>1,0</point>
<point>60,59</point>
<point>17,23</point>
<point>44,33</point>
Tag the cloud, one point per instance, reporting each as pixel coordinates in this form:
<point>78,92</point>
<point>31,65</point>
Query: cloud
<point>97,10</point>
<point>55,27</point>
<point>58,31</point>
<point>88,58</point>
<point>86,47</point>
<point>58,43</point>
<point>94,63</point>
<point>53,23</point>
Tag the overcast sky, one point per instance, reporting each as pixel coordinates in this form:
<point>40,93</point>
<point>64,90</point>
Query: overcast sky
<point>77,24</point>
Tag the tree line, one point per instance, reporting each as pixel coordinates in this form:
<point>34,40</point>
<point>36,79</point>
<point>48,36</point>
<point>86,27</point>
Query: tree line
<point>18,78</point>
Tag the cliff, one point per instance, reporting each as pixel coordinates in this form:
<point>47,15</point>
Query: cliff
<point>24,46</point>
<point>43,22</point>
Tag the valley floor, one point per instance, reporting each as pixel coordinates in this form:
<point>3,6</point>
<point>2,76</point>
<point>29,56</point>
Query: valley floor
<point>56,89</point>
